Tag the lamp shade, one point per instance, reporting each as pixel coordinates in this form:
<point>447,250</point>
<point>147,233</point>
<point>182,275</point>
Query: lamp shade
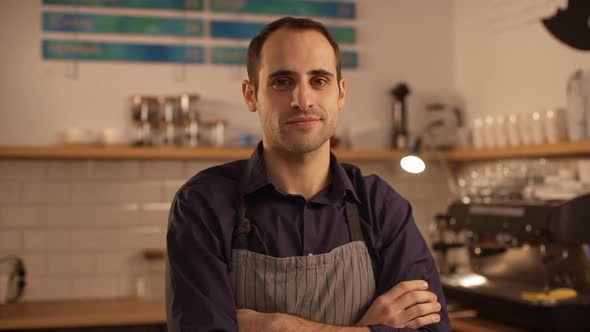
<point>413,164</point>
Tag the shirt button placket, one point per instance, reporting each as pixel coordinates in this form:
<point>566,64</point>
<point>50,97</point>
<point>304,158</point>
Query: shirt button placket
<point>308,230</point>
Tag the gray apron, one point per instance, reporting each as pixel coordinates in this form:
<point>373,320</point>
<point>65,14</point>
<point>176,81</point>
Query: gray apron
<point>332,288</point>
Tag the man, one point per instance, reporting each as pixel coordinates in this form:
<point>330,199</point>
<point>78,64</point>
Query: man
<point>292,240</point>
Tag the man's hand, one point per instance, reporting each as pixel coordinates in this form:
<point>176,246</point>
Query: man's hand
<point>253,321</point>
<point>408,304</point>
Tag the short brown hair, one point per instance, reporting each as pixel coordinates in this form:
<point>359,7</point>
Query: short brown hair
<point>257,42</point>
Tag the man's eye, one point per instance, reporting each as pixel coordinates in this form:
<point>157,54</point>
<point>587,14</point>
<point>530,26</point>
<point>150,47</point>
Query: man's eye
<point>280,84</point>
<point>319,82</point>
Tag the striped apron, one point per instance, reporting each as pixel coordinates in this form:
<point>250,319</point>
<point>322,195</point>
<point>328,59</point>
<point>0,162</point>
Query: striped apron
<point>332,288</point>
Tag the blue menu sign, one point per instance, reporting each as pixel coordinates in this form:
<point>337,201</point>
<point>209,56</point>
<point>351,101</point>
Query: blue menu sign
<point>147,4</point>
<point>105,51</point>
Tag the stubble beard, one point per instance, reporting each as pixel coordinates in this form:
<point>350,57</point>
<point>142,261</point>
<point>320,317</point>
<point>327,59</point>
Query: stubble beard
<point>289,142</point>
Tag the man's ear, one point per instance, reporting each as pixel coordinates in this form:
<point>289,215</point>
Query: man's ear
<point>249,94</point>
<point>342,95</point>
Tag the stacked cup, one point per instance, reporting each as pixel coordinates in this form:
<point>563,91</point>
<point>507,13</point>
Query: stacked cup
<point>519,129</point>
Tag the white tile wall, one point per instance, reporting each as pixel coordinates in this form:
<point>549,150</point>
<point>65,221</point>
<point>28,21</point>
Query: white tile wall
<point>36,264</point>
<point>11,241</point>
<point>170,187</point>
<point>48,288</point>
<point>81,225</point>
<point>96,192</point>
<point>22,216</point>
<point>123,214</point>
<point>22,170</point>
<point>47,240</point>
<point>10,192</point>
<point>97,287</point>
<point>163,169</point>
<point>116,169</point>
<point>69,169</point>
<point>70,216</point>
<point>71,264</point>
<point>46,193</point>
<point>142,192</point>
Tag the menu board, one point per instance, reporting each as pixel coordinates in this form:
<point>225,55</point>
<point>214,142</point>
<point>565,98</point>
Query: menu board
<point>176,19</point>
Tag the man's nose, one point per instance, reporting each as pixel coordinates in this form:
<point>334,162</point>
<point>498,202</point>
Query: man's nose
<point>302,97</point>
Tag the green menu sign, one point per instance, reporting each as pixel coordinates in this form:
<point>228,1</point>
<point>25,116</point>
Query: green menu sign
<point>92,23</point>
<point>148,4</point>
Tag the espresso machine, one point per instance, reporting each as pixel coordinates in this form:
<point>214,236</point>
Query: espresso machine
<point>528,263</point>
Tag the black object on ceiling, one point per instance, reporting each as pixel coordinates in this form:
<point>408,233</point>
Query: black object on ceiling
<point>572,25</point>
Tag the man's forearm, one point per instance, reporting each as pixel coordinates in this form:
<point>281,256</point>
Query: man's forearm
<point>250,320</point>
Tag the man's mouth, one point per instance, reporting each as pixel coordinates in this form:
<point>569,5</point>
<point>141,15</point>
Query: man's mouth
<point>303,120</point>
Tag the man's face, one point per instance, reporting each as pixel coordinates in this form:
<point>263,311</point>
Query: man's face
<point>298,99</point>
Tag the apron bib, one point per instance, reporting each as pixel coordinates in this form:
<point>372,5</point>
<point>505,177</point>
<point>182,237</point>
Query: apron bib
<point>332,288</point>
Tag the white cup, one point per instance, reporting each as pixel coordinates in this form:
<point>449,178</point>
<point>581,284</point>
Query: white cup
<point>478,135</point>
<point>501,132</point>
<point>537,135</point>
<point>110,136</point>
<point>554,125</point>
<point>489,132</point>
<point>524,127</point>
<point>512,130</point>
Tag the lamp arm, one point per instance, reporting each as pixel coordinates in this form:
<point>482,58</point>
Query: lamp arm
<point>449,175</point>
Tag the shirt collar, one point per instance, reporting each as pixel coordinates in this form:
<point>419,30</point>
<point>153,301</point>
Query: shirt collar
<point>340,187</point>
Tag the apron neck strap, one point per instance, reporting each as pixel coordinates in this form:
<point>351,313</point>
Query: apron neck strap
<point>354,222</point>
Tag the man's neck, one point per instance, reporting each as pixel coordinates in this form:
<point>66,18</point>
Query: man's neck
<point>299,174</point>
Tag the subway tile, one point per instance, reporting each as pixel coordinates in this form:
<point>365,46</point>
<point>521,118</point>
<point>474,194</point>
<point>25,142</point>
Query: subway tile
<point>104,169</point>
<point>35,240</point>
<point>72,216</point>
<point>124,214</point>
<point>71,169</point>
<point>128,285</point>
<point>46,193</point>
<point>143,237</point>
<point>71,264</point>
<point>95,192</point>
<point>48,288</point>
<point>11,241</point>
<point>162,169</point>
<point>35,264</point>
<point>94,239</point>
<point>119,262</point>
<point>96,287</point>
<point>10,192</point>
<point>194,167</point>
<point>169,189</point>
<point>23,169</point>
<point>155,213</point>
<point>22,217</point>
<point>141,192</point>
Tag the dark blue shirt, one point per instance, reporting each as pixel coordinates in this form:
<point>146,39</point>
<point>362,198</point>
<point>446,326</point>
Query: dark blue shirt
<point>205,211</point>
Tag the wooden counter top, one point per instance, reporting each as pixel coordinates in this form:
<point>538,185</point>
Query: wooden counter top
<point>81,313</point>
<point>133,311</point>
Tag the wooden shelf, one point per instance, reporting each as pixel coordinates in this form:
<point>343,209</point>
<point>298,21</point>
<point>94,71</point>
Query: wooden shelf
<point>161,153</point>
<point>121,152</point>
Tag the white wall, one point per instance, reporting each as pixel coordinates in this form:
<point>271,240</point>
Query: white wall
<point>397,40</point>
<point>506,61</point>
